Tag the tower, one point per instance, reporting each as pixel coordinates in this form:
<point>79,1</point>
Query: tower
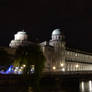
<point>20,39</point>
<point>57,41</point>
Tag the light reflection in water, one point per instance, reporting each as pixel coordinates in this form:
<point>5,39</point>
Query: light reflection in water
<point>82,86</point>
<point>86,86</point>
<point>90,86</point>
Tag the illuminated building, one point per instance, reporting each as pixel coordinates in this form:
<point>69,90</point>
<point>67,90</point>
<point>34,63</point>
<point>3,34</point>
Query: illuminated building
<point>20,39</point>
<point>58,56</point>
<point>62,58</point>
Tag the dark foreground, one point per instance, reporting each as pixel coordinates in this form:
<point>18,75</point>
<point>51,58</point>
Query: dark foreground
<point>49,83</point>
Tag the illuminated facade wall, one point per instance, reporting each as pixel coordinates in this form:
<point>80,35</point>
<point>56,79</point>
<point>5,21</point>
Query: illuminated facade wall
<point>61,59</point>
<point>78,61</point>
<point>58,57</point>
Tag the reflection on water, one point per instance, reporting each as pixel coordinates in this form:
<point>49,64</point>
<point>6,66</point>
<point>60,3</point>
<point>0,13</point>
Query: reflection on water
<point>83,86</point>
<point>86,86</point>
<point>70,86</point>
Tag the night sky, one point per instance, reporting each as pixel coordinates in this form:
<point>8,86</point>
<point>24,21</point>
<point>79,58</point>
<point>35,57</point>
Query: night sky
<point>40,17</point>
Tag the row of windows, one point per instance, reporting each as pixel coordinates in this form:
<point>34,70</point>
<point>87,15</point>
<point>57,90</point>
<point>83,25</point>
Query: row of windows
<point>78,66</point>
<point>78,56</point>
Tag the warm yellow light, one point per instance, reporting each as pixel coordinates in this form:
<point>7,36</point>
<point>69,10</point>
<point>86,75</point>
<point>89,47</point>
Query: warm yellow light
<point>90,85</point>
<point>62,64</point>
<point>24,65</point>
<point>15,70</point>
<point>77,66</point>
<point>54,68</point>
<point>63,69</point>
<point>76,54</point>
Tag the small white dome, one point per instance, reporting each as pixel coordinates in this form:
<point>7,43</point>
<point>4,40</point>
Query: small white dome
<point>56,32</point>
<point>21,35</point>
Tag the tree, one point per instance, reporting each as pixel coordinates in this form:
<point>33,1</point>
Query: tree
<point>5,58</point>
<point>31,55</point>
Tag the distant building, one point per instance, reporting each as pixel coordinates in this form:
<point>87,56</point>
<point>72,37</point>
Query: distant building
<point>58,57</point>
<point>20,39</point>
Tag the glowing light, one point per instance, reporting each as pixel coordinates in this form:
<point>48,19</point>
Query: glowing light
<point>63,69</point>
<point>76,54</point>
<point>20,69</point>
<point>15,70</point>
<point>77,66</point>
<point>82,86</point>
<point>32,68</point>
<point>54,68</point>
<point>24,65</point>
<point>10,70</point>
<point>62,64</point>
<point>90,85</point>
<point>16,67</point>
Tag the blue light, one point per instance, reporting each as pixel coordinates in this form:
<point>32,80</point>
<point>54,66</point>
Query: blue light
<point>8,71</point>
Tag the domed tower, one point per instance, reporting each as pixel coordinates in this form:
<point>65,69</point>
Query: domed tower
<point>21,35</point>
<point>57,38</point>
<point>20,39</point>
<point>58,43</point>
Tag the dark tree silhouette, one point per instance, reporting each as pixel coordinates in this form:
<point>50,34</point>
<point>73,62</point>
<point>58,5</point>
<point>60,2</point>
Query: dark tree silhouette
<point>5,58</point>
<point>31,55</point>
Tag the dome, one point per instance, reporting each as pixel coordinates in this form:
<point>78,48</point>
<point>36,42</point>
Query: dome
<point>56,32</point>
<point>21,35</point>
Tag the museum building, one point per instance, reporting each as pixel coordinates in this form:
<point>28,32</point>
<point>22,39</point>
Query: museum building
<point>58,56</point>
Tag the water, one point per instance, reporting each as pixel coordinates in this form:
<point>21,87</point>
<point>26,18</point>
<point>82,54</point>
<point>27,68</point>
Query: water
<point>53,86</point>
<point>86,86</point>
<point>82,86</point>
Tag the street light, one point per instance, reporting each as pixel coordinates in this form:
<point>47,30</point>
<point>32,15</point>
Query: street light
<point>24,65</point>
<point>77,66</point>
<point>54,68</point>
<point>62,64</point>
<point>63,69</point>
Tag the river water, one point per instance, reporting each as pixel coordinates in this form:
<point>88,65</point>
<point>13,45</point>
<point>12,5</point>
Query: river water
<point>83,86</point>
<point>86,86</point>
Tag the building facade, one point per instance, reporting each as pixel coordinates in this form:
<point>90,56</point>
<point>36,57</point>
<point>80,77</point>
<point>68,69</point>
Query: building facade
<point>58,57</point>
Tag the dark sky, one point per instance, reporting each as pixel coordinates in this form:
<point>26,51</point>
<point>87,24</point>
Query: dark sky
<point>40,17</point>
